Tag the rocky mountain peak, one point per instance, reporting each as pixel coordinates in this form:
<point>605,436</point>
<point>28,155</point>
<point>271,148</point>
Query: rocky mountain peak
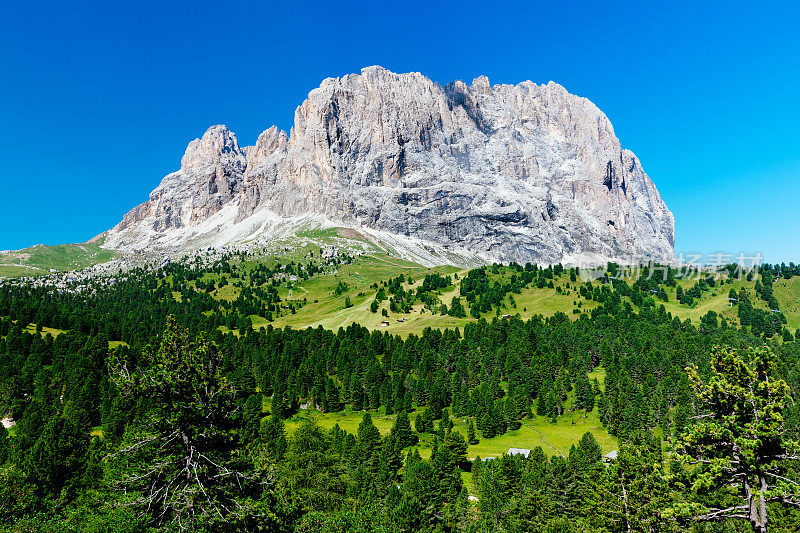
<point>218,145</point>
<point>521,172</point>
<point>481,84</point>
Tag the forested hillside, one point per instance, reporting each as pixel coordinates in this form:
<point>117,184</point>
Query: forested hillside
<point>194,397</point>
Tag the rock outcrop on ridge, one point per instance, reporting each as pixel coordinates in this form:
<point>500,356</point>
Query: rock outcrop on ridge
<point>520,172</point>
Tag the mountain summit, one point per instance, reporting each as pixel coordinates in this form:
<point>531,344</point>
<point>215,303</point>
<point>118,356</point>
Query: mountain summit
<point>506,172</point>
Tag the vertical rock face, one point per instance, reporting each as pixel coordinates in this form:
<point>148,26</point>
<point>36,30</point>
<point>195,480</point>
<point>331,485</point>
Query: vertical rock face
<point>512,172</point>
<point>210,177</point>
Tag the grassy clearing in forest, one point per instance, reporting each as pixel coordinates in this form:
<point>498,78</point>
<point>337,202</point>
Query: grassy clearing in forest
<point>554,438</point>
<point>52,331</point>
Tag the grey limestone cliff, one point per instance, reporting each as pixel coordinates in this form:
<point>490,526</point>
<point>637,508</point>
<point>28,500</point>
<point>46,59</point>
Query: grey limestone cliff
<point>520,172</point>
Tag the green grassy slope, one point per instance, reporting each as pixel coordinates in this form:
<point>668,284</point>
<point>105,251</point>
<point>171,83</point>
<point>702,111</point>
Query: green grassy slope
<point>320,307</point>
<point>329,310</point>
<point>325,309</point>
<point>788,294</point>
<point>39,259</point>
<point>716,299</point>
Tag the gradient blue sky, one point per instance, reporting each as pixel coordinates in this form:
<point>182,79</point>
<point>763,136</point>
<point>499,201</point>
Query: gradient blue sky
<point>99,99</point>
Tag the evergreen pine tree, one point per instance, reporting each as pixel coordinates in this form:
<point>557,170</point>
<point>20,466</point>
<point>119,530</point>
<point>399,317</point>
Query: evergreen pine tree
<point>455,442</point>
<point>471,438</point>
<point>188,435</point>
<point>375,397</point>
<point>590,448</point>
<point>273,436</point>
<point>369,441</point>
<point>251,414</point>
<point>444,424</point>
<point>402,431</point>
<point>419,423</point>
<point>408,405</point>
<point>358,397</point>
<point>510,414</point>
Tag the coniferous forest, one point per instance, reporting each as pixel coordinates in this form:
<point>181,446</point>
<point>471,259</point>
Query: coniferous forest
<point>160,408</point>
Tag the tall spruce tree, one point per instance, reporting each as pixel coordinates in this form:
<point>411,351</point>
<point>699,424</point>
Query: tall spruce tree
<point>369,442</point>
<point>471,438</point>
<point>402,431</point>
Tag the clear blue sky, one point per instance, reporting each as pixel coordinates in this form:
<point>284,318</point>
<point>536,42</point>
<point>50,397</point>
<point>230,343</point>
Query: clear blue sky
<point>99,99</point>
